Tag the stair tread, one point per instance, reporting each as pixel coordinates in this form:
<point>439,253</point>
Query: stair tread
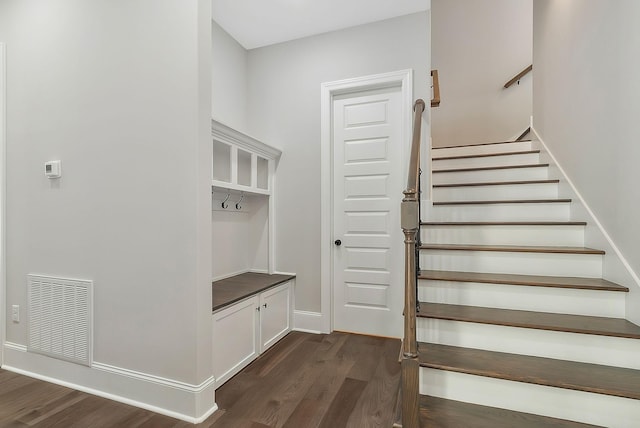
<point>489,168</point>
<point>487,155</point>
<point>507,201</point>
<point>442,413</point>
<point>481,144</point>
<point>582,324</point>
<point>513,248</point>
<point>497,183</point>
<point>503,223</point>
<point>530,280</point>
<point>607,380</point>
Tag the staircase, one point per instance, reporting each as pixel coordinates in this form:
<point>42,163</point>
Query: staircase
<point>515,326</point>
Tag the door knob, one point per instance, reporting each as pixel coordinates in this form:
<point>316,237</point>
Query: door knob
<point>338,242</point>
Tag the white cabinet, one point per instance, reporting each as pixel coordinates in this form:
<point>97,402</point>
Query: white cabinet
<point>235,338</point>
<point>275,315</point>
<point>245,329</point>
<point>241,162</point>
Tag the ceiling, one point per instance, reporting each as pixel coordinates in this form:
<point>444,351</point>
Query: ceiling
<point>257,23</point>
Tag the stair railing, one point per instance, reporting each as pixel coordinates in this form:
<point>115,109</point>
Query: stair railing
<point>410,223</point>
<point>518,76</point>
<point>435,101</point>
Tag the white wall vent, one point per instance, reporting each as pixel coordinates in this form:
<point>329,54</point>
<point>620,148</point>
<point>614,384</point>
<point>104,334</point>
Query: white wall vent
<point>60,319</point>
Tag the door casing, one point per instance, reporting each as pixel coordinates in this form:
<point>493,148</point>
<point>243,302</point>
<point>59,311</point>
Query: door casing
<point>3,134</point>
<point>402,79</point>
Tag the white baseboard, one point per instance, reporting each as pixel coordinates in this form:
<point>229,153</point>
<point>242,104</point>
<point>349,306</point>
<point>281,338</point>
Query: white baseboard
<point>616,267</point>
<point>308,322</point>
<point>190,403</point>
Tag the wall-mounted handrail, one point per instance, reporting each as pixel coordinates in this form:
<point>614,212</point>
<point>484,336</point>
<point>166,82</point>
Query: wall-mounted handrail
<point>518,76</point>
<point>410,223</point>
<point>524,134</point>
<point>435,101</point>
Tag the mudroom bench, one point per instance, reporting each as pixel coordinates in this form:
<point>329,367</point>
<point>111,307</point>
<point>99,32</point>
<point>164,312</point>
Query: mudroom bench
<point>251,312</point>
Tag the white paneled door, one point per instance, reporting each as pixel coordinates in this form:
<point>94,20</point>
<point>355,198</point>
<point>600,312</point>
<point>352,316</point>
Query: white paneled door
<point>367,191</point>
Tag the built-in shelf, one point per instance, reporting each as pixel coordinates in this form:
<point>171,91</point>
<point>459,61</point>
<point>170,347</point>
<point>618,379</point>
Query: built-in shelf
<point>238,287</point>
<point>241,162</point>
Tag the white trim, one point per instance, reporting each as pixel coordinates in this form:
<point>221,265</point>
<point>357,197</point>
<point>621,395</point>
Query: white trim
<point>3,153</point>
<point>616,268</point>
<point>229,275</point>
<point>402,78</point>
<point>154,379</point>
<point>284,273</point>
<point>227,134</point>
<point>595,220</point>
<point>168,397</point>
<point>307,322</point>
<point>15,347</point>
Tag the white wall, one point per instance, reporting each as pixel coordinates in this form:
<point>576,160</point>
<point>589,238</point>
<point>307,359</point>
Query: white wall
<point>120,93</point>
<point>477,47</point>
<point>586,102</point>
<point>284,93</point>
<point>239,237</point>
<point>229,79</point>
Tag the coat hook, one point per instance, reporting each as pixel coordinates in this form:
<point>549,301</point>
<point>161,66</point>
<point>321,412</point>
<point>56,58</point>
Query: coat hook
<point>224,203</point>
<point>238,207</point>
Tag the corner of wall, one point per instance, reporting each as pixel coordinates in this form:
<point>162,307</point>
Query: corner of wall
<point>615,266</point>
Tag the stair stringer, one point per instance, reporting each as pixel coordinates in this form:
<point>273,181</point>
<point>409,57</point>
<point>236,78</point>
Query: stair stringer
<point>615,266</point>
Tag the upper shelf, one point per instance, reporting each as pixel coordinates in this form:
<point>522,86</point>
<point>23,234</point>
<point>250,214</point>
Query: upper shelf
<point>241,162</point>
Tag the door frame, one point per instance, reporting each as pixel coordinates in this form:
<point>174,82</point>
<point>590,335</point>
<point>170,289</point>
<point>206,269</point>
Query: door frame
<point>329,90</point>
<point>3,135</point>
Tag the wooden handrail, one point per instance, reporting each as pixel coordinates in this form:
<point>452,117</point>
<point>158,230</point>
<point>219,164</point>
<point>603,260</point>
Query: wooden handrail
<point>435,101</point>
<point>414,157</point>
<point>410,223</point>
<point>518,76</point>
<point>524,134</point>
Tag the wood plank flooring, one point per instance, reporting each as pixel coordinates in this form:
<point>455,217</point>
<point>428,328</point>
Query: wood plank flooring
<point>230,290</point>
<point>615,381</point>
<point>602,326</point>
<point>439,413</point>
<point>526,280</point>
<point>305,380</point>
<point>513,249</point>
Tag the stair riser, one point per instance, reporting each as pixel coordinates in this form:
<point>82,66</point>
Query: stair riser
<point>496,193</point>
<point>521,146</point>
<point>520,159</point>
<point>568,236</point>
<point>491,175</point>
<point>560,403</point>
<point>585,348</point>
<point>557,211</point>
<point>585,265</point>
<point>540,299</point>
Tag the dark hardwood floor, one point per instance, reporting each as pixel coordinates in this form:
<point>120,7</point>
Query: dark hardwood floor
<point>304,381</point>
